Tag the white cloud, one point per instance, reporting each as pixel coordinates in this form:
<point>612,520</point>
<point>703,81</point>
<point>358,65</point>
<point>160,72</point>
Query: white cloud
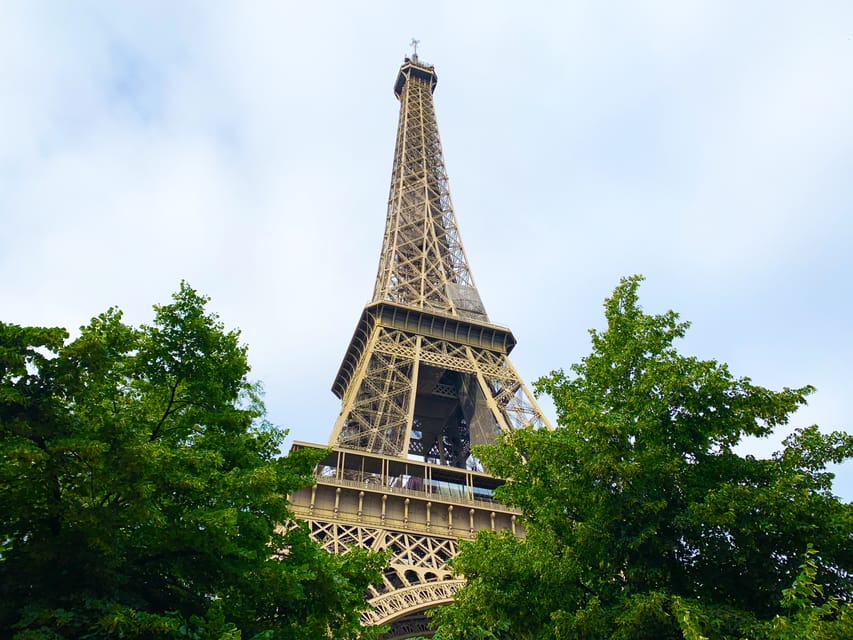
<point>247,148</point>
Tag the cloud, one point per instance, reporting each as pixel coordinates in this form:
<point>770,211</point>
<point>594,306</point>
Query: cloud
<point>247,148</point>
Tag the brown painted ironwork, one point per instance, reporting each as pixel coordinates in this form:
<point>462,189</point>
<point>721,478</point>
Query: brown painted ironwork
<point>426,376</point>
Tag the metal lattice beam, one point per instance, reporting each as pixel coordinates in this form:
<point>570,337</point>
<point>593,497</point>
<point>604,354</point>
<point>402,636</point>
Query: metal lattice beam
<point>415,513</point>
<point>423,261</point>
<point>418,388</point>
<point>427,376</point>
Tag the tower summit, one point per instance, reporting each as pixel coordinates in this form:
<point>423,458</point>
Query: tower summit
<point>424,378</point>
<point>422,264</point>
<point>426,374</point>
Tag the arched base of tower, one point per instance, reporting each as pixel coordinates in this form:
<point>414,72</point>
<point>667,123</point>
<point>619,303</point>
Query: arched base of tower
<point>414,625</point>
<point>403,604</point>
<point>405,610</point>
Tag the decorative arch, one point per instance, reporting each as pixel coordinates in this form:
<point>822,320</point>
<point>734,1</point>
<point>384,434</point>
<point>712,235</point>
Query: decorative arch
<point>400,603</point>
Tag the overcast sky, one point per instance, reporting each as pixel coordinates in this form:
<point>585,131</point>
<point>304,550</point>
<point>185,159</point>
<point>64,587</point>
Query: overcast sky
<point>247,147</point>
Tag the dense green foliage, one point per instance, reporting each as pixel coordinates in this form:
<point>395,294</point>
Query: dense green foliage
<point>643,521</point>
<point>141,489</point>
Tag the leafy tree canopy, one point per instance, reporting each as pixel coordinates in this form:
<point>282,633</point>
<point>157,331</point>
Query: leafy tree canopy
<point>142,492</point>
<point>643,522</point>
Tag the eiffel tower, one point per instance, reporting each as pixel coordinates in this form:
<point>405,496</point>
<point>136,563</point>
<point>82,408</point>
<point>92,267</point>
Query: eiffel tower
<point>425,377</point>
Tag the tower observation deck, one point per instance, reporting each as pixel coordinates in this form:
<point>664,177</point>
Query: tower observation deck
<point>425,377</point>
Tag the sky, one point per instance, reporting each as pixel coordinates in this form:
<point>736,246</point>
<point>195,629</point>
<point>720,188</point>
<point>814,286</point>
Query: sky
<point>247,148</point>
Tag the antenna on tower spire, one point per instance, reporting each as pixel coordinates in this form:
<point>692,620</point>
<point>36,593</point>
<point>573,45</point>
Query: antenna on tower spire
<point>414,44</point>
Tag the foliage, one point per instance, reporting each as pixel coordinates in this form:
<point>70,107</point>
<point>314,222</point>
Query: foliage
<point>810,614</point>
<point>141,491</point>
<point>642,520</point>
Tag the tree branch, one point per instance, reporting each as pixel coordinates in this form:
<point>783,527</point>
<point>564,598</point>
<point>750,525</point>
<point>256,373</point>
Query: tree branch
<point>166,413</point>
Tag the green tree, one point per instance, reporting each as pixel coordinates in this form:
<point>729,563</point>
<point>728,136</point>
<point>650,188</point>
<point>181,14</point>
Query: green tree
<point>642,521</point>
<point>142,492</point>
<point>809,614</point>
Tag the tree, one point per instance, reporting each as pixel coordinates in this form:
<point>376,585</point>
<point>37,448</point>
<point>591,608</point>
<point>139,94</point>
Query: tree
<point>142,493</point>
<point>809,614</point>
<point>642,521</point>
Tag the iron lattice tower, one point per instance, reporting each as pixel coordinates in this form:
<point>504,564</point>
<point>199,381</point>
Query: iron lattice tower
<point>426,376</point>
